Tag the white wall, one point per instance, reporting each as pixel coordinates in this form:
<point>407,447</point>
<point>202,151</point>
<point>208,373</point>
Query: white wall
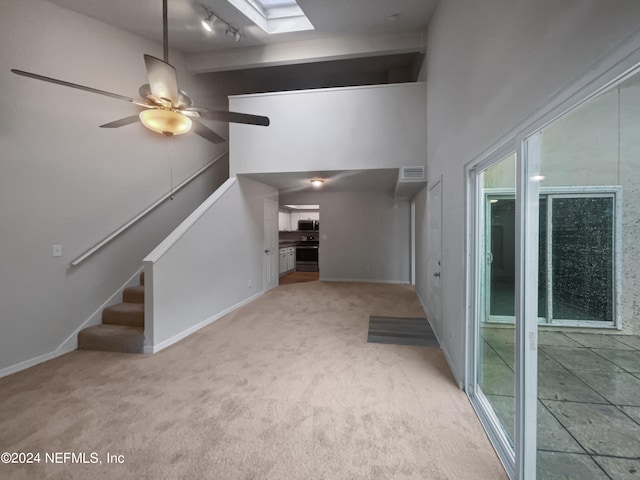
<point>65,181</point>
<point>490,65</point>
<point>331,129</point>
<point>215,265</point>
<point>367,235</point>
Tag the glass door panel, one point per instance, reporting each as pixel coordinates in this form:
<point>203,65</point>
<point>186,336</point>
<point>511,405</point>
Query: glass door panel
<point>495,341</point>
<point>588,379</point>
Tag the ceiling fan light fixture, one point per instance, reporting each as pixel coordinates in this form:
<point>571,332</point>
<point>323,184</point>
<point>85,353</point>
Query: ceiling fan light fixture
<point>166,122</point>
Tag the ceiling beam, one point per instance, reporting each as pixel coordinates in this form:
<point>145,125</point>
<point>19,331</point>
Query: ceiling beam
<point>317,50</point>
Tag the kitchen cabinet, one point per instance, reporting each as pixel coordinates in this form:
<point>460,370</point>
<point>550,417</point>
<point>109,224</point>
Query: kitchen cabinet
<point>284,221</point>
<point>287,260</point>
<point>295,216</point>
<point>291,259</point>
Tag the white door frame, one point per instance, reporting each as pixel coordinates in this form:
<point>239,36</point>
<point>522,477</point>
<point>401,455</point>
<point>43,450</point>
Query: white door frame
<point>270,272</point>
<point>476,238</point>
<point>434,257</point>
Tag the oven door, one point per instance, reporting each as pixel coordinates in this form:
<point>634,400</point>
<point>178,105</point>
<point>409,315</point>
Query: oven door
<point>307,258</point>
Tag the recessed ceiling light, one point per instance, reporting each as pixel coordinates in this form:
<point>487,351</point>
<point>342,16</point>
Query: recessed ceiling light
<point>317,183</point>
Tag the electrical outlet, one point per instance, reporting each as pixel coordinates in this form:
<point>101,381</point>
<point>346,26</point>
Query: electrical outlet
<point>57,250</point>
<point>250,283</point>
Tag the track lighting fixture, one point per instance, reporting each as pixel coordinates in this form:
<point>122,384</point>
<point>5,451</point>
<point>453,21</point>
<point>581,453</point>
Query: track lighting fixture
<point>210,18</point>
<point>233,32</point>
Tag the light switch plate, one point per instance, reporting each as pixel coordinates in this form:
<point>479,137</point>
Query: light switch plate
<point>57,250</point>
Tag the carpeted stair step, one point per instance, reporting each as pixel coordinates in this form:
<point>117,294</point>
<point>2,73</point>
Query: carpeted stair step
<point>133,294</point>
<point>128,314</point>
<point>112,338</point>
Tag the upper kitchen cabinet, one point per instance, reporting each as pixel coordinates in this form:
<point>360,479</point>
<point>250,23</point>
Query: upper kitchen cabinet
<point>284,221</point>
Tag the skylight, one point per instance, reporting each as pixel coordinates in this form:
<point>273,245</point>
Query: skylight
<point>274,16</point>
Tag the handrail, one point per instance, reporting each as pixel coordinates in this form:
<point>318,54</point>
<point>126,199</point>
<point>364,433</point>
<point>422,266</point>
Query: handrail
<point>142,214</point>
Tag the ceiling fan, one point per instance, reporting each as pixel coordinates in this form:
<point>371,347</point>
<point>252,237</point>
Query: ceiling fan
<point>167,110</point>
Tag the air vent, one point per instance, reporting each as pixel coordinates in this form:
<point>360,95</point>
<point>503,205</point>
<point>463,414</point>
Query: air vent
<point>412,174</point>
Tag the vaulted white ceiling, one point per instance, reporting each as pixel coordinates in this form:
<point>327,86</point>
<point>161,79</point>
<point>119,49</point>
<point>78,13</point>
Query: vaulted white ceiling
<point>331,18</point>
<point>354,42</point>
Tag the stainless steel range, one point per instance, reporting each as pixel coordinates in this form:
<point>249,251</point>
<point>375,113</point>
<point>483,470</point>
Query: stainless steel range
<point>307,252</point>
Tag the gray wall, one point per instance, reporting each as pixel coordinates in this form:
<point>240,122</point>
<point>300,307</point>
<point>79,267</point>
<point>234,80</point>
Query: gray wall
<point>367,235</point>
<point>65,181</point>
<point>215,265</point>
<point>490,65</point>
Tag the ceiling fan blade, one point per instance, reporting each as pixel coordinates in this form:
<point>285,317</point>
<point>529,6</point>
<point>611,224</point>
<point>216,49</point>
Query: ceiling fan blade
<point>122,122</point>
<point>79,87</point>
<point>206,132</point>
<point>233,117</point>
<point>162,79</point>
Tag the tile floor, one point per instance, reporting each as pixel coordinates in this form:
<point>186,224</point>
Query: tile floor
<point>588,401</point>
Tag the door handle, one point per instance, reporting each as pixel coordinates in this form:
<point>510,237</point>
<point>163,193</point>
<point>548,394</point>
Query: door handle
<point>267,251</point>
<point>436,274</point>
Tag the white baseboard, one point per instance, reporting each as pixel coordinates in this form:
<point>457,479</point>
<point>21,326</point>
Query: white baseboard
<point>26,364</point>
<point>364,280</point>
<point>459,380</point>
<point>195,328</point>
<point>71,342</point>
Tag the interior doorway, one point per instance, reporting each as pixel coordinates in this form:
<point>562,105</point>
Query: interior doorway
<point>299,243</point>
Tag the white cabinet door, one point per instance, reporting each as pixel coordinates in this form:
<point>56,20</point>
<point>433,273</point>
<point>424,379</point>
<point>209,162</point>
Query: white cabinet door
<point>291,259</point>
<point>283,261</point>
<point>284,220</point>
<point>287,221</point>
<point>311,215</point>
<point>295,216</point>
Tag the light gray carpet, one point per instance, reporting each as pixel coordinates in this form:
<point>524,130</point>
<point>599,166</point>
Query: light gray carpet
<point>401,331</point>
<point>283,388</point>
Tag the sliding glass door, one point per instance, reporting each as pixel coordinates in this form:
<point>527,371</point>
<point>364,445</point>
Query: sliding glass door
<point>553,293</point>
<point>493,336</point>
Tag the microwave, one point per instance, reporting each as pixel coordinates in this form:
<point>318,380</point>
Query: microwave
<point>308,225</point>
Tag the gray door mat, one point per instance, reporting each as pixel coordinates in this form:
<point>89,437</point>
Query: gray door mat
<point>401,331</point>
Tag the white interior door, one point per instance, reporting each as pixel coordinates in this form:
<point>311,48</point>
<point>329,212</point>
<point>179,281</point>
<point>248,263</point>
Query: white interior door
<point>270,266</point>
<point>434,255</point>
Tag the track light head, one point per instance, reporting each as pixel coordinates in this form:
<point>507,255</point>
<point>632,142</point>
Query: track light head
<point>208,19</point>
<point>234,32</point>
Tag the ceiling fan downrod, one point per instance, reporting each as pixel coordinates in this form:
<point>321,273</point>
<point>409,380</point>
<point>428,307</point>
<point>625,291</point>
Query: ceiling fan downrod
<point>165,31</point>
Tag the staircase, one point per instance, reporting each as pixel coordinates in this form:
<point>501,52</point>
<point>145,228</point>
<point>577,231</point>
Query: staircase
<point>122,327</point>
